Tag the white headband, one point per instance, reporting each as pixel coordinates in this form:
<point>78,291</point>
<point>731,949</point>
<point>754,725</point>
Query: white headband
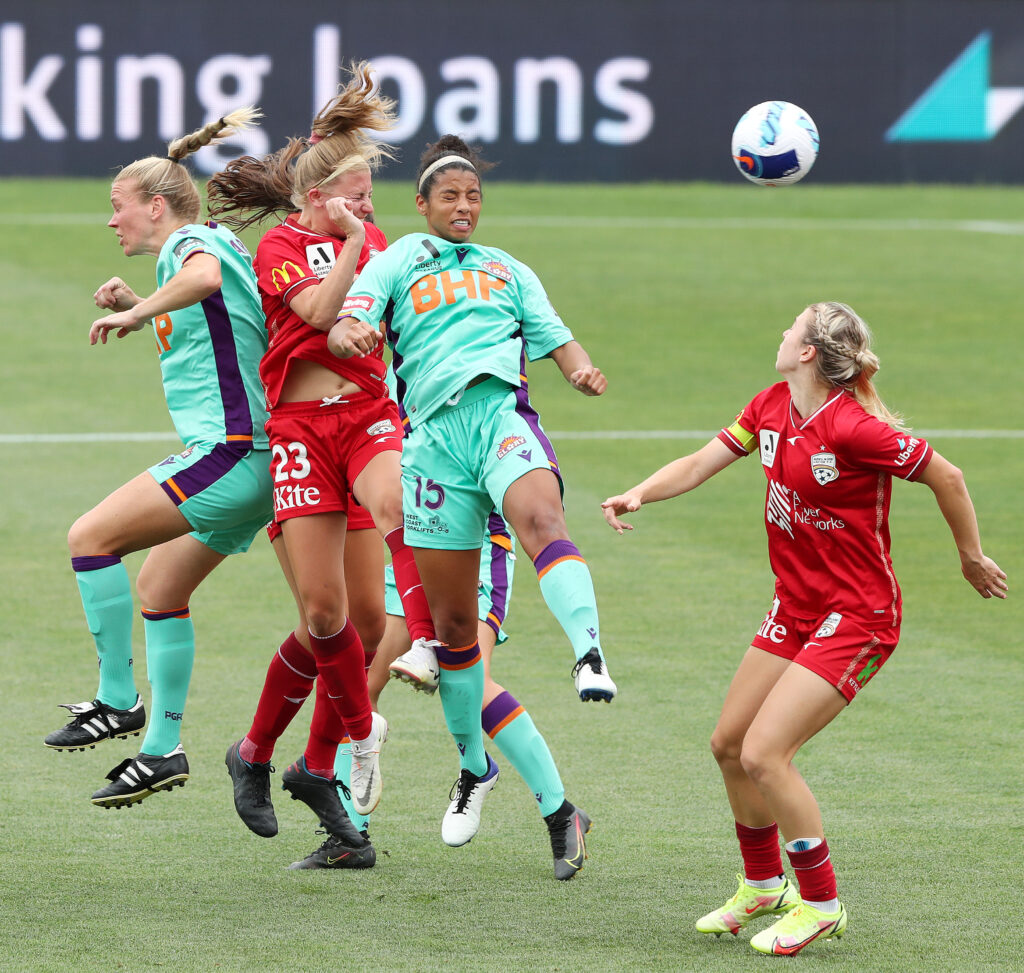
<point>446,160</point>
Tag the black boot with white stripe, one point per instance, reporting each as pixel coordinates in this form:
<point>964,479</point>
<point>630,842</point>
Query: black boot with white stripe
<point>136,778</point>
<point>92,722</point>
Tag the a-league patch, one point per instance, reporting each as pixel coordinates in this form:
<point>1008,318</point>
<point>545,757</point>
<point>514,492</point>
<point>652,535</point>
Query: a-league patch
<point>187,247</point>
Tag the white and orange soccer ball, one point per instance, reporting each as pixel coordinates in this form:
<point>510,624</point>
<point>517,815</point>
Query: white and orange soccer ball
<point>775,144</point>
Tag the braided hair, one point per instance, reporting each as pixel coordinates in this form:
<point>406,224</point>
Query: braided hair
<point>167,177</point>
<point>844,357</point>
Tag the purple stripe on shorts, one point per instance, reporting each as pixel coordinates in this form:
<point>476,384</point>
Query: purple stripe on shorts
<point>553,552</point>
<point>237,419</point>
<point>529,414</point>
<point>205,471</point>
<point>497,710</point>
<point>94,562</point>
<point>499,583</point>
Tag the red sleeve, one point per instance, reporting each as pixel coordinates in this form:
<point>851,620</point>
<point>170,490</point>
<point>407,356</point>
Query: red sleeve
<point>281,267</point>
<point>741,435</point>
<point>877,446</point>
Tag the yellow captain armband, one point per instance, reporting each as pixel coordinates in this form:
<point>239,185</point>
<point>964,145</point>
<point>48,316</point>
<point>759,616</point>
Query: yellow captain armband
<point>744,437</point>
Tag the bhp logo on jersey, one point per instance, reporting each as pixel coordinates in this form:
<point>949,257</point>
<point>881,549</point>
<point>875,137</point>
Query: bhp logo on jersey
<point>290,497</point>
<point>431,291</point>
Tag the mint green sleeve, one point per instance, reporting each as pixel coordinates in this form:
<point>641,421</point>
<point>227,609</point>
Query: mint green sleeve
<point>543,330</point>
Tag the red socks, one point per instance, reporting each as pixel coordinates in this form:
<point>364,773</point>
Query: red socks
<point>814,873</point>
<point>340,662</point>
<point>410,588</point>
<point>289,681</point>
<point>762,857</point>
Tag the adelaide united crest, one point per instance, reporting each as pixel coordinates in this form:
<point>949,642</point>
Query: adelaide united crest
<point>823,467</point>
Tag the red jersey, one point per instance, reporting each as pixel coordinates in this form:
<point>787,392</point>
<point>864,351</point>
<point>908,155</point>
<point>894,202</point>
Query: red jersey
<point>289,259</point>
<point>827,503</point>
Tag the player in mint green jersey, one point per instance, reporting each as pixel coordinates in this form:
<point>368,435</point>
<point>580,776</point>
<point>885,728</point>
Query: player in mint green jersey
<point>193,509</point>
<point>461,320</point>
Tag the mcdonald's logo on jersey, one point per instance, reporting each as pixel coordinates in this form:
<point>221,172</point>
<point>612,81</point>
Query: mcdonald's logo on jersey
<point>280,276</point>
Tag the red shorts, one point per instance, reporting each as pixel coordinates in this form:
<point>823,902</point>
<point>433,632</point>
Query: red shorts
<point>358,519</point>
<point>840,650</point>
<point>317,451</point>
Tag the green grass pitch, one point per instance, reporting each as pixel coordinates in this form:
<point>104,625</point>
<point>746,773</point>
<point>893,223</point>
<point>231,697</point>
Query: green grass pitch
<point>680,293</point>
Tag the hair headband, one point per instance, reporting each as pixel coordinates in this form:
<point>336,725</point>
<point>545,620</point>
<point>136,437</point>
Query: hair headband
<point>443,161</point>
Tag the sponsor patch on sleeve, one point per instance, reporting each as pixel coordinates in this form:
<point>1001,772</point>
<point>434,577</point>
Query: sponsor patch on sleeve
<point>184,249</point>
<point>356,303</point>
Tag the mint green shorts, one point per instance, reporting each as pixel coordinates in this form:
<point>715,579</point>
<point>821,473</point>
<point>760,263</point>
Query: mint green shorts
<point>497,564</point>
<point>224,491</point>
<point>458,464</point>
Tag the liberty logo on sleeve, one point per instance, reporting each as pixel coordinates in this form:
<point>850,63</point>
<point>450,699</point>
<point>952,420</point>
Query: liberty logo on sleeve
<point>320,258</point>
<point>769,444</point>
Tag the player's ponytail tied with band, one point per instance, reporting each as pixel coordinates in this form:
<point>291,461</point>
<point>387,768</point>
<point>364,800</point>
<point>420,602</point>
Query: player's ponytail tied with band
<point>167,177</point>
<point>249,190</point>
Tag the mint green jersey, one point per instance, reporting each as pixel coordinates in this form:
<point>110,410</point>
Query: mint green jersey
<point>210,352</point>
<point>454,311</point>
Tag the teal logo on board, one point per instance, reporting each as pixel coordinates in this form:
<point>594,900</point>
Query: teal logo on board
<point>960,105</point>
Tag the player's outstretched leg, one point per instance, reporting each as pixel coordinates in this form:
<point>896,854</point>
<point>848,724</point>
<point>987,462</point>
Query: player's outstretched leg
<point>117,710</point>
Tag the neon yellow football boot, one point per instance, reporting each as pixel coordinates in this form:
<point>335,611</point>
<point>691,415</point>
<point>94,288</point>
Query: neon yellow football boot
<point>747,904</point>
<point>795,930</point>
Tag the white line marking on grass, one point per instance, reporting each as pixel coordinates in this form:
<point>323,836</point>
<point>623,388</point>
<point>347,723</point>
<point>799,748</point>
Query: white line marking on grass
<point>1001,227</point>
<point>609,434</point>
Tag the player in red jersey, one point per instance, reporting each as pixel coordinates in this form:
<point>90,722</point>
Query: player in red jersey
<point>335,437</point>
<point>829,449</point>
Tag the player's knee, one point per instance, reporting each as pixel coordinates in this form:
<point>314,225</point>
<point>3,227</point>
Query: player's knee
<point>370,626</point>
<point>757,760</point>
<point>456,629</point>
<point>82,538</point>
<point>724,747</point>
<point>324,617</point>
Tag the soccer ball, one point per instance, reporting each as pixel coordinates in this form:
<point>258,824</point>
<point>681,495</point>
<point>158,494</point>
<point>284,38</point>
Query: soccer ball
<point>775,144</point>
